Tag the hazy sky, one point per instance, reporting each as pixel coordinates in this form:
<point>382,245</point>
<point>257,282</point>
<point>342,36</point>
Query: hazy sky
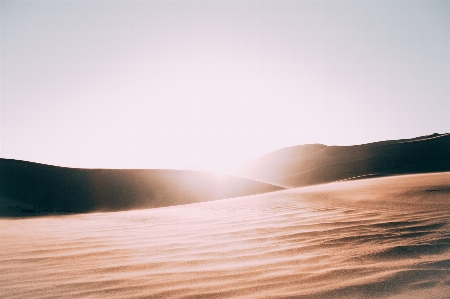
<point>206,84</point>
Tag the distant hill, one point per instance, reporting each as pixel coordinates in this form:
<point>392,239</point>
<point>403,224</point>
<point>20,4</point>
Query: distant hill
<point>30,189</point>
<point>312,164</point>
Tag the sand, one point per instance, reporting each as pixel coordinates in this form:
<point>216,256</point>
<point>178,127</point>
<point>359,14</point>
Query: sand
<point>383,237</point>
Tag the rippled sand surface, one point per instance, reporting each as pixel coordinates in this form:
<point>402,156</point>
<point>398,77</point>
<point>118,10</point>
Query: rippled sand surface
<point>385,237</point>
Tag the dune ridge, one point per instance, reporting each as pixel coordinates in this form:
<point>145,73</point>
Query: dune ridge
<point>312,164</point>
<point>28,188</point>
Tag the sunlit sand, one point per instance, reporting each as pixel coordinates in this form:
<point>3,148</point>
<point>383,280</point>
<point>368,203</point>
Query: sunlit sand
<point>384,237</point>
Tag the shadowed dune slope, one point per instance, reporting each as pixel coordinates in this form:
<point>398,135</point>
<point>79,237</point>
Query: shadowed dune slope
<point>28,188</point>
<point>317,163</point>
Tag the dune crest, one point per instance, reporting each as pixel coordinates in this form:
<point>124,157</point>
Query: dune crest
<point>312,164</point>
<point>28,189</point>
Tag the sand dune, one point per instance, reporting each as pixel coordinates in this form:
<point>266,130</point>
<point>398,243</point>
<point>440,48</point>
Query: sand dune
<point>306,165</point>
<point>35,189</point>
<point>30,189</point>
<point>375,238</point>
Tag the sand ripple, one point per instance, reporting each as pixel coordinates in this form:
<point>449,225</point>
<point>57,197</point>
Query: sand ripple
<point>303,243</point>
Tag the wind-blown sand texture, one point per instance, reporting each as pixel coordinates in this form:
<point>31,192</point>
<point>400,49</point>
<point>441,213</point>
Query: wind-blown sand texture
<point>383,237</point>
<point>311,164</point>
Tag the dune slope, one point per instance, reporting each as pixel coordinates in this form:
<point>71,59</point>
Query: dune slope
<point>29,189</point>
<point>315,164</point>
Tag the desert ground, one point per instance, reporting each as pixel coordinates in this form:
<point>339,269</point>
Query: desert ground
<point>380,237</point>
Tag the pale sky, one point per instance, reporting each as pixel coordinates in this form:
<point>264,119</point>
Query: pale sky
<point>208,84</point>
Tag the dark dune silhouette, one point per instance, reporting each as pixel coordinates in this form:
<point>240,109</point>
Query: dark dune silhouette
<point>29,188</point>
<point>317,163</point>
